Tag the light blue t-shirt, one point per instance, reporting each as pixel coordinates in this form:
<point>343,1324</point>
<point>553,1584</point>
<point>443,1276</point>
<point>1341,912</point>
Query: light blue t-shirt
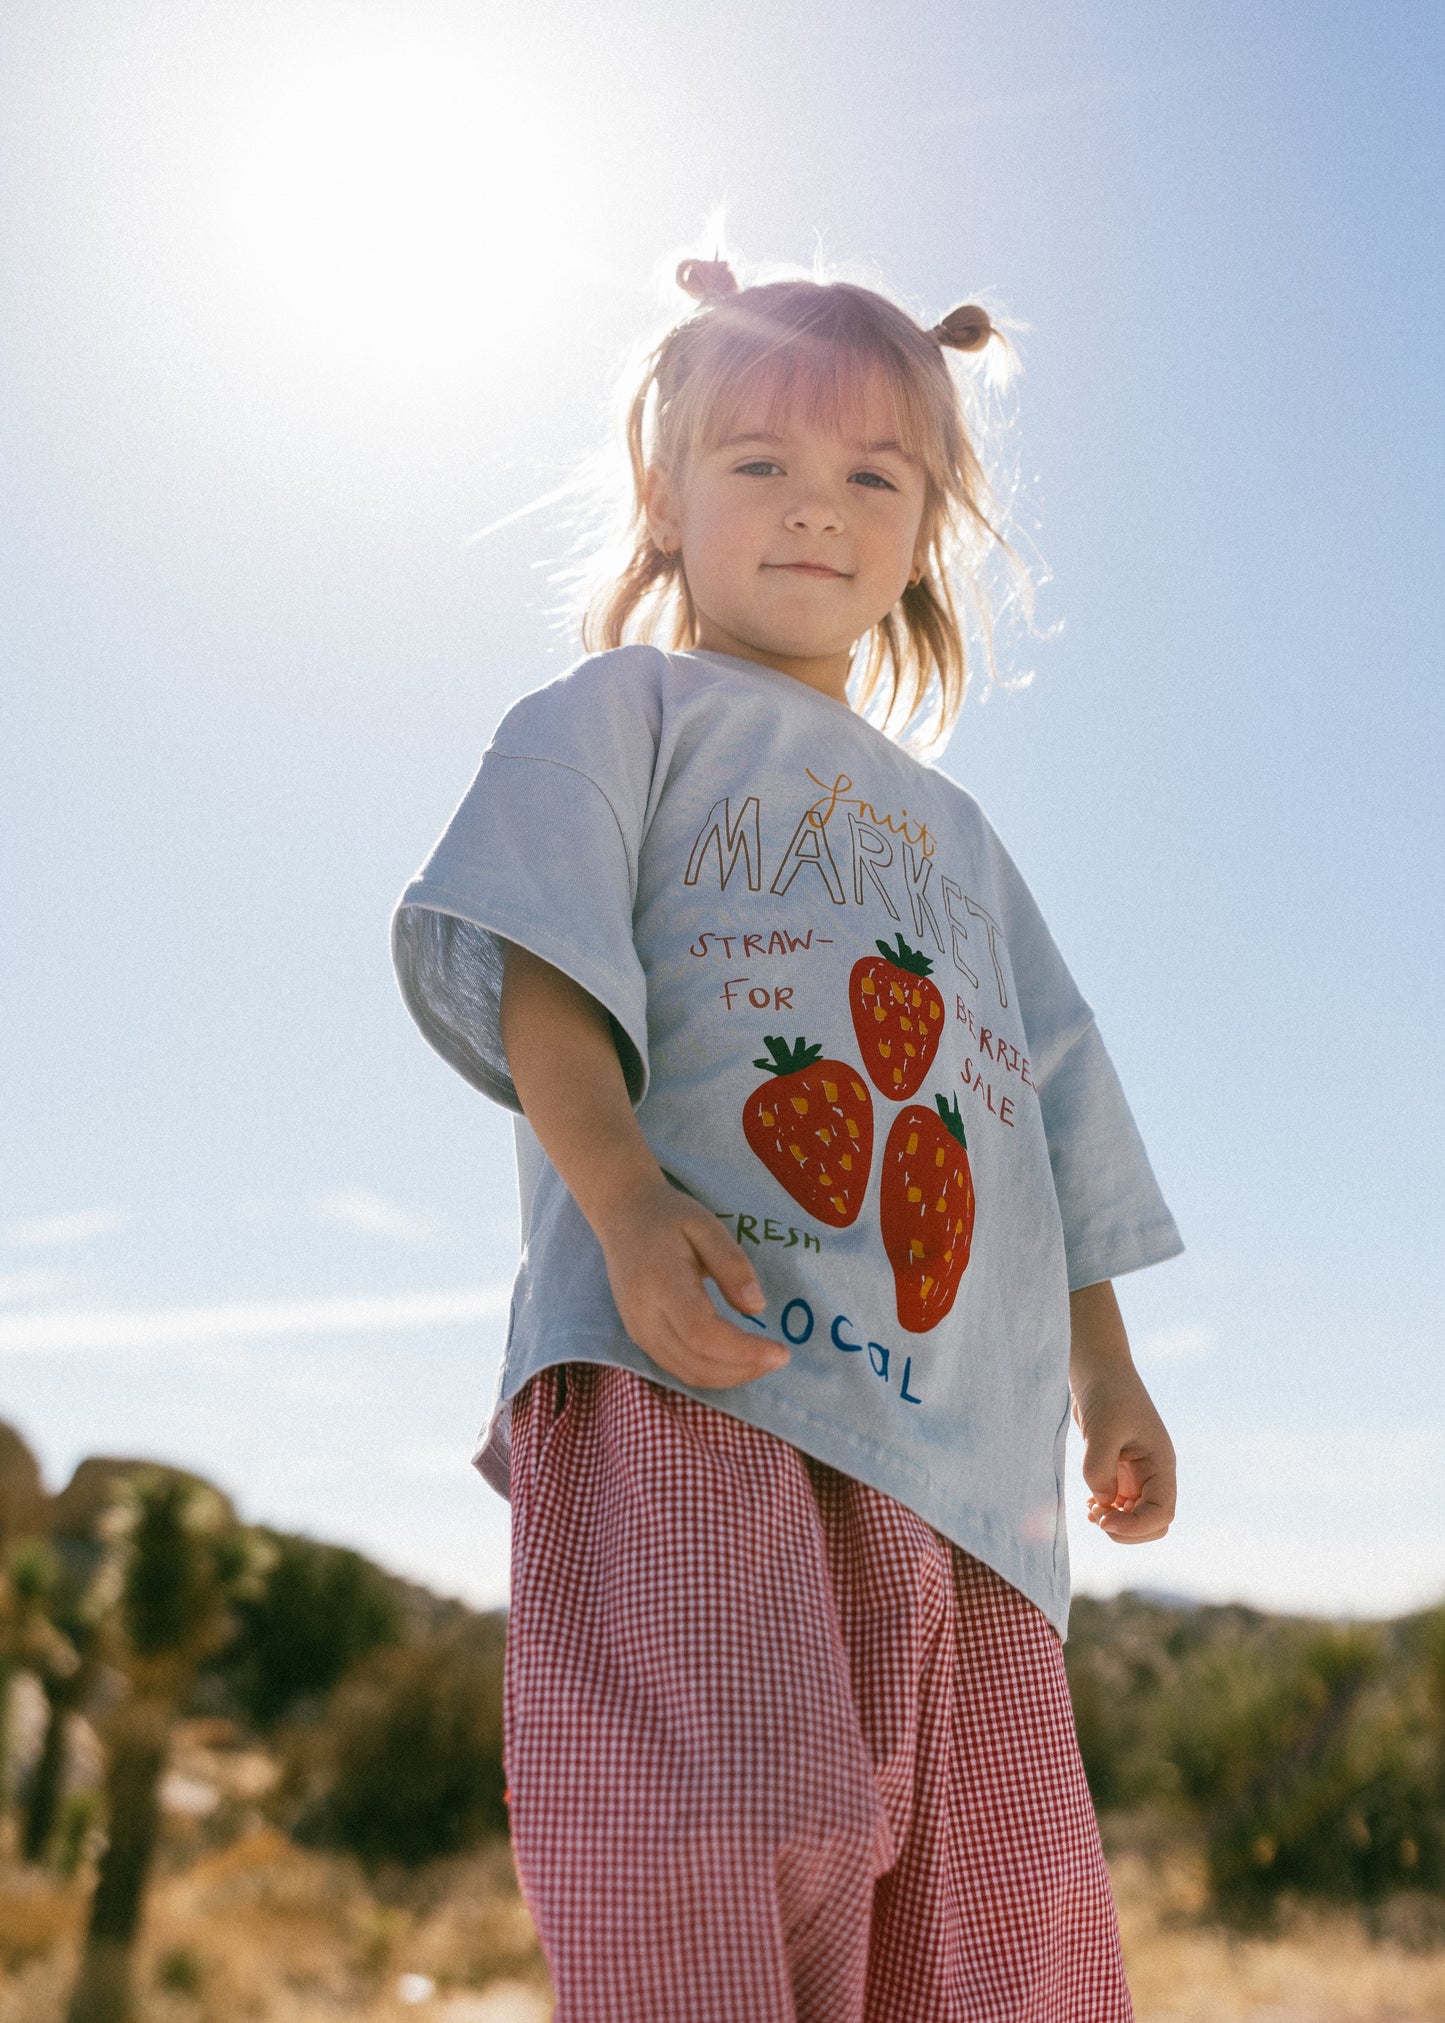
<point>846,1030</point>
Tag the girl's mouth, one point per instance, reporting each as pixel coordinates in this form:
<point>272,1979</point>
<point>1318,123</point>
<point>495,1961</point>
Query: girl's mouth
<point>806,569</point>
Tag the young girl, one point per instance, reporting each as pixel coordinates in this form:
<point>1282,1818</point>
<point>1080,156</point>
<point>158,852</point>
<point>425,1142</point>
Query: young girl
<point>824,1174</point>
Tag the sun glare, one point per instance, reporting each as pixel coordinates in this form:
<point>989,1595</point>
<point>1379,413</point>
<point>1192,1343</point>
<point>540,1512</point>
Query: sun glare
<point>402,207</point>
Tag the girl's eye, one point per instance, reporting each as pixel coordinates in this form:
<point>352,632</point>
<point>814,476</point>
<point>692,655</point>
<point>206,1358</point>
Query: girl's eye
<point>758,467</point>
<point>874,480</point>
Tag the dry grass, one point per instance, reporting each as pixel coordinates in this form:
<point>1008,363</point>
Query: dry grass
<point>37,1914</point>
<point>267,1931</point>
<point>1317,1968</point>
<point>260,1931</point>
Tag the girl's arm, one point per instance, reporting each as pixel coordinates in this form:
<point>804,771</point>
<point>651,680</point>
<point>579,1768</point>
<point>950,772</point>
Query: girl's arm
<point>659,1243</point>
<point>1128,1456</point>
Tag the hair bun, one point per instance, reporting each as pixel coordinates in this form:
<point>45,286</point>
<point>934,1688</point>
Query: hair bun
<point>707,280</point>
<point>966,328</point>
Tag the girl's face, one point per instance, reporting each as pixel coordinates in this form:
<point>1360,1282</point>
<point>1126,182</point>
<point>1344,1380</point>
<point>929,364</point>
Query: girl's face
<point>795,541</point>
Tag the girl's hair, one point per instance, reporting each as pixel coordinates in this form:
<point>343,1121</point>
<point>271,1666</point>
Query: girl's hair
<point>808,349</point>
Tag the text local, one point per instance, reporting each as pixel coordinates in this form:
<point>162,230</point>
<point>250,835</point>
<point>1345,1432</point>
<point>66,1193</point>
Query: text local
<point>798,1324</point>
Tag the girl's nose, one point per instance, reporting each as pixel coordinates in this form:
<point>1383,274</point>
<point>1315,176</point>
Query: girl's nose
<point>814,513</point>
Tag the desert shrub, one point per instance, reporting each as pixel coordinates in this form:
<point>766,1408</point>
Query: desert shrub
<point>180,1971</point>
<point>1309,1758</point>
<point>319,1610</point>
<point>1120,1668</point>
<point>414,1749</point>
<point>1313,1762</point>
<point>77,1831</point>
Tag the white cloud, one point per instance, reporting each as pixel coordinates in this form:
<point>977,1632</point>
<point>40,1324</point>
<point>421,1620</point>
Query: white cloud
<point>111,1330</point>
<point>1184,1342</point>
<point>371,1215</point>
<point>22,1285</point>
<point>51,1232</point>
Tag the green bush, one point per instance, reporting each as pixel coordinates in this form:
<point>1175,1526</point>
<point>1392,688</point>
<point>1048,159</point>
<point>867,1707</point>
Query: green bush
<point>1310,1758</point>
<point>1318,1774</point>
<point>415,1749</point>
<point>319,1610</point>
<point>180,1971</point>
<point>1121,1667</point>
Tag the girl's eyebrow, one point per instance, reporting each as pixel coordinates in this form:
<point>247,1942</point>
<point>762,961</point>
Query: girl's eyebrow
<point>776,442</point>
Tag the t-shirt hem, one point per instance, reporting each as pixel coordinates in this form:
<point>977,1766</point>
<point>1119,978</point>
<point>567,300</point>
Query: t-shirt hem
<point>821,1438</point>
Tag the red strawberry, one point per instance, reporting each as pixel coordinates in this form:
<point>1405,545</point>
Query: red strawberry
<point>898,1016</point>
<point>813,1129</point>
<point>926,1210</point>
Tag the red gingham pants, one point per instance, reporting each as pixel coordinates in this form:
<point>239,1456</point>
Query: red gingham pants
<point>778,1753</point>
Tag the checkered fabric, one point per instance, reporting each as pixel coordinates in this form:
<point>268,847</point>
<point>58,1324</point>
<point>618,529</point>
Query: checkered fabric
<point>777,1750</point>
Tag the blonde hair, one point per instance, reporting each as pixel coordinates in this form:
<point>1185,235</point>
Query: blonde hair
<point>810,348</point>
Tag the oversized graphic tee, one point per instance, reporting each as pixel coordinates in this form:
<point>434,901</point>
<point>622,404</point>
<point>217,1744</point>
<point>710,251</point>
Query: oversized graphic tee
<point>847,1032</point>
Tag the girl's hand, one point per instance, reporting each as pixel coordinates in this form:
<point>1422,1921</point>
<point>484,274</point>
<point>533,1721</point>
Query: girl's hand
<point>660,1245</point>
<point>1128,1456</point>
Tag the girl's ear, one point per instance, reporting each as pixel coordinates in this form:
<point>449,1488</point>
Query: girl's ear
<point>922,548</point>
<point>659,502</point>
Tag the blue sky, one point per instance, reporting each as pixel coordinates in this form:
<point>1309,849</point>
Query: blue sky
<point>299,297</point>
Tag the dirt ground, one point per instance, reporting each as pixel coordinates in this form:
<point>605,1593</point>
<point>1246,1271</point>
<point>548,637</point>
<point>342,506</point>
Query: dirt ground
<point>260,1931</point>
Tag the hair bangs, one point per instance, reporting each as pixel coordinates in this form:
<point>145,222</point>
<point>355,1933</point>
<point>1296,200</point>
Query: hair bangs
<point>858,392</point>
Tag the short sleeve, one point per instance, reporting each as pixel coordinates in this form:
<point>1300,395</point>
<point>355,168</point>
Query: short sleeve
<point>1115,1219</point>
<point>1114,1216</point>
<point>542,853</point>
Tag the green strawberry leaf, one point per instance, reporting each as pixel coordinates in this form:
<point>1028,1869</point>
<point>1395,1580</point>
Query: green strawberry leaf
<point>952,1121</point>
<point>788,1060</point>
<point>903,957</point>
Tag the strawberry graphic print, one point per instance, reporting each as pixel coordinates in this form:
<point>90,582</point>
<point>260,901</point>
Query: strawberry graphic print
<point>812,1127</point>
<point>926,1208</point>
<point>898,1016</point>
